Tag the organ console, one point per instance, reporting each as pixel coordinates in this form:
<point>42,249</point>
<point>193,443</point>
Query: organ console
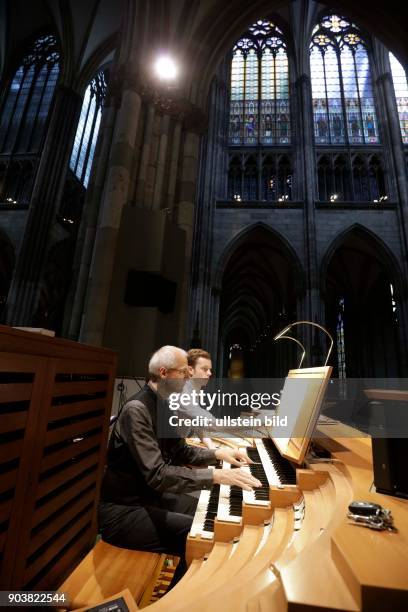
<point>289,545</point>
<point>222,512</point>
<point>306,555</point>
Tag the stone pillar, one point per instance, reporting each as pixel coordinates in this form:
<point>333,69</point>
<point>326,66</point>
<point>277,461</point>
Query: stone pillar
<point>304,96</point>
<point>386,93</point>
<point>152,165</point>
<point>144,160</point>
<point>87,230</point>
<point>397,152</point>
<point>174,159</point>
<point>45,200</point>
<point>303,17</point>
<point>185,218</point>
<point>211,185</point>
<point>114,198</point>
<point>161,162</point>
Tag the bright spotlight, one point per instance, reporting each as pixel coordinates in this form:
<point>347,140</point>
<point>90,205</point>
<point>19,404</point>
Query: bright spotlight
<point>166,68</point>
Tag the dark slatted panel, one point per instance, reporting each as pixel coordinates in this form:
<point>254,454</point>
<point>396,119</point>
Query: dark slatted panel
<point>14,392</point>
<point>18,375</point>
<point>73,443</point>
<point>10,449</point>
<point>52,503</point>
<point>45,555</point>
<point>64,562</point>
<point>68,420</point>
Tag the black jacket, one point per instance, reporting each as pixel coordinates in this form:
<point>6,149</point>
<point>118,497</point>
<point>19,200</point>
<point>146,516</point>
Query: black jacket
<point>141,466</point>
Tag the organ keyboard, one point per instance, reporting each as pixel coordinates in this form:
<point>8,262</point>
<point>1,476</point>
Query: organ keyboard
<point>223,511</point>
<point>203,523</point>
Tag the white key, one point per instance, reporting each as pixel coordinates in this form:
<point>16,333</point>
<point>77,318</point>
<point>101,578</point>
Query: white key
<point>225,489</point>
<point>267,464</point>
<point>223,510</point>
<point>197,528</point>
<point>249,496</point>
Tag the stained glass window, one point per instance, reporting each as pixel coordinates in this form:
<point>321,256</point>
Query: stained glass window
<point>28,100</point>
<point>259,107</point>
<point>399,78</point>
<point>341,353</point>
<point>88,127</point>
<point>343,98</point>
<point>393,304</point>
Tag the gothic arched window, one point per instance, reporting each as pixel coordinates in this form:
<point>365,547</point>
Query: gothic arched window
<point>368,178</point>
<point>28,99</point>
<point>333,177</point>
<point>235,178</point>
<point>343,98</point>
<point>259,105</point>
<point>276,178</point>
<point>399,78</point>
<point>88,127</point>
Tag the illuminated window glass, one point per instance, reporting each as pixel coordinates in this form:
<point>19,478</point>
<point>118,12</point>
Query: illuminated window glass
<point>88,127</point>
<point>341,353</point>
<point>28,100</point>
<point>399,78</point>
<point>343,98</point>
<point>259,107</point>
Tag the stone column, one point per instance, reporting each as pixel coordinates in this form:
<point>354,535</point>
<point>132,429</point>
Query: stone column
<point>303,18</point>
<point>313,306</point>
<point>144,160</point>
<point>174,159</point>
<point>397,152</point>
<point>45,200</point>
<point>211,185</point>
<point>114,198</point>
<point>161,162</point>
<point>185,218</point>
<point>152,164</point>
<point>87,230</point>
<point>386,93</point>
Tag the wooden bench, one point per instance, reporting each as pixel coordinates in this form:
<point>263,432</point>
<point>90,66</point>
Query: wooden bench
<point>106,570</point>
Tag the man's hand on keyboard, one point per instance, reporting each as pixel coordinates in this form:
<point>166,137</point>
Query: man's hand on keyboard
<point>233,456</point>
<point>238,477</point>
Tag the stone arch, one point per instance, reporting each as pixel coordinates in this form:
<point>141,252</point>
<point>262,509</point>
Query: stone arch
<point>240,238</point>
<point>258,296</point>
<point>361,286</point>
<point>391,261</point>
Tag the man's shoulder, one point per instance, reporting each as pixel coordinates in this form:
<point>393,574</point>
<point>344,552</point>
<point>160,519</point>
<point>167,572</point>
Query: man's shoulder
<point>145,395</point>
<point>140,402</point>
